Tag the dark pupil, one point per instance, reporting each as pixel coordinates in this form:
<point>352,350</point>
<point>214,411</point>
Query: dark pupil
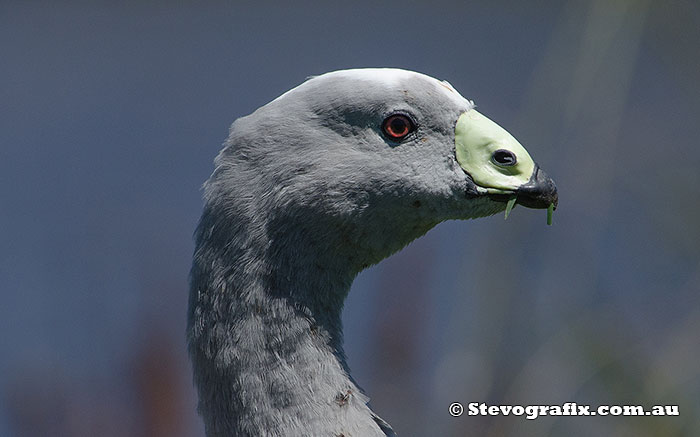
<point>504,157</point>
<point>398,126</point>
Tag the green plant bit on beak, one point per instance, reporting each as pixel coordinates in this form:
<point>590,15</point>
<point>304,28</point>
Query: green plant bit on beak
<point>509,207</point>
<point>550,211</point>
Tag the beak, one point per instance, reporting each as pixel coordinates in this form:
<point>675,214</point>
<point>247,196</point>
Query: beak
<point>500,166</point>
<point>539,192</point>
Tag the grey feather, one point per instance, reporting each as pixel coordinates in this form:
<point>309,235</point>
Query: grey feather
<point>306,193</point>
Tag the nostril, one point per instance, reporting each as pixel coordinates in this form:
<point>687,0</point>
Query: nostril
<point>504,158</point>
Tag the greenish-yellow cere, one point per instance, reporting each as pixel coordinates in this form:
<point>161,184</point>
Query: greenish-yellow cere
<point>476,138</point>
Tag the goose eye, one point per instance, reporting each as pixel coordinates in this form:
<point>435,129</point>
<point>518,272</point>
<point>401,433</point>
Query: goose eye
<point>504,158</point>
<point>397,127</point>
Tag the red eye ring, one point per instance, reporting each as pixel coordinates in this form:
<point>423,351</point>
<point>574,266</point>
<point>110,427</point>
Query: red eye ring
<point>396,127</point>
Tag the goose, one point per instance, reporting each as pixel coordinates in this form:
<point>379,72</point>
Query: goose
<point>310,189</point>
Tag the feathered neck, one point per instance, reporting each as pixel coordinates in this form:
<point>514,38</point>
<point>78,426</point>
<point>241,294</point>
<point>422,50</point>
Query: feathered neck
<point>265,333</point>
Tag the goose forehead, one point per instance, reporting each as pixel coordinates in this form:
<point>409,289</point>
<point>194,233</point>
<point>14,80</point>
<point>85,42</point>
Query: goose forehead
<point>388,78</point>
<point>397,78</point>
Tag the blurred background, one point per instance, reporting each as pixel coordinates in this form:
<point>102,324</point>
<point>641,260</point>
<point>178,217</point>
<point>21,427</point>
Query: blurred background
<point>111,115</point>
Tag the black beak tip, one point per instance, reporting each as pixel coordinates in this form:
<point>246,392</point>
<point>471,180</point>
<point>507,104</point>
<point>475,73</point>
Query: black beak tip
<point>539,192</point>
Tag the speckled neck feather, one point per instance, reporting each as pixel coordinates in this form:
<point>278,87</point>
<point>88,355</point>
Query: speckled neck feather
<point>266,338</point>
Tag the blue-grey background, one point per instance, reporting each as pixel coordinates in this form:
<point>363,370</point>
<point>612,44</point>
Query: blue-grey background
<point>111,114</point>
